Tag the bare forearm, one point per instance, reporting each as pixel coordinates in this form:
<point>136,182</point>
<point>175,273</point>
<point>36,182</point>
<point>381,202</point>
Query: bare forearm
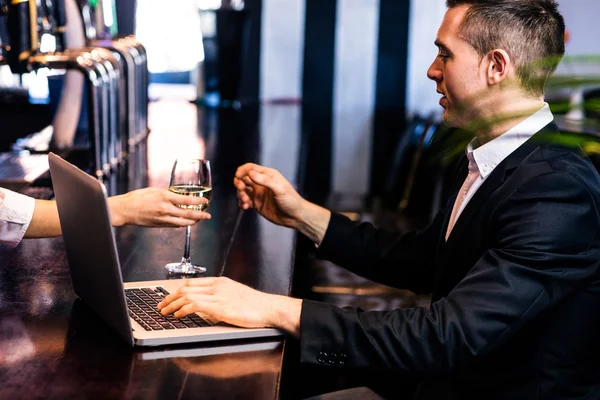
<point>313,222</point>
<point>45,222</point>
<point>116,205</point>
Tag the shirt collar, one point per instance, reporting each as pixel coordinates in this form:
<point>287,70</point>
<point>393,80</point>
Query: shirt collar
<point>488,156</point>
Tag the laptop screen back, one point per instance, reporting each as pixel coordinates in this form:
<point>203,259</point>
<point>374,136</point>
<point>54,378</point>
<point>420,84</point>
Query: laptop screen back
<point>90,243</point>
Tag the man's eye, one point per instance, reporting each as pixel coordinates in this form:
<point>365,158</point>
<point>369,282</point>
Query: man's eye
<point>443,57</point>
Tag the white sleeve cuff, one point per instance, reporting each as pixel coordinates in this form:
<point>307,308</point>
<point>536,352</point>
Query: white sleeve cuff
<point>16,212</point>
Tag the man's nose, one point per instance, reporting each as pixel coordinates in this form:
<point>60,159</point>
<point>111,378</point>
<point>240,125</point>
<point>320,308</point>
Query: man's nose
<point>434,72</point>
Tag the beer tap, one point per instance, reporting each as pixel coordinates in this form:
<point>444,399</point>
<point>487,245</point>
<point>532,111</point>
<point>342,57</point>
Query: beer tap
<point>96,93</point>
<point>3,31</point>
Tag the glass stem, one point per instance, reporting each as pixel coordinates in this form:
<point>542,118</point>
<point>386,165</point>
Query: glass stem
<point>186,250</point>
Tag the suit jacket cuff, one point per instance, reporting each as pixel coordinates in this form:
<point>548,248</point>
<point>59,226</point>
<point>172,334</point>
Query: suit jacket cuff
<point>338,230</point>
<point>318,345</point>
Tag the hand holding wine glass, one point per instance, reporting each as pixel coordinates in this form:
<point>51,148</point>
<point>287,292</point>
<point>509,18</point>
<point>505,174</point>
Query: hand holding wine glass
<point>190,177</point>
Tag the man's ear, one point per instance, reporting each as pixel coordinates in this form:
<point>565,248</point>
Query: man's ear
<point>498,65</point>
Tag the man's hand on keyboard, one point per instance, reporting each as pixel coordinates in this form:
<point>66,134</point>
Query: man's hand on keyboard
<point>229,301</point>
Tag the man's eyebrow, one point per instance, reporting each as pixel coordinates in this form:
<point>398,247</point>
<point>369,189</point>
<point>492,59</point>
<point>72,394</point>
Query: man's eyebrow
<point>441,45</point>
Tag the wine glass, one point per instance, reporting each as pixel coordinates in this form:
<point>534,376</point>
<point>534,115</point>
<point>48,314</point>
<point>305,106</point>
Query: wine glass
<point>190,177</point>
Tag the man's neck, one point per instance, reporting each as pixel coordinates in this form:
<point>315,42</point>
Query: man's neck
<point>503,118</point>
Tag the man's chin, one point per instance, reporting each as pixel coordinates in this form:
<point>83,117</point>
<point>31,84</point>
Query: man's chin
<point>449,120</point>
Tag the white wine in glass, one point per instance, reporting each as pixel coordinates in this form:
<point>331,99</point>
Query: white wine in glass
<point>190,177</point>
<point>193,190</point>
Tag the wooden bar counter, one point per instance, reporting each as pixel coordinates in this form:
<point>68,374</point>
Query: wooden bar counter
<point>52,346</point>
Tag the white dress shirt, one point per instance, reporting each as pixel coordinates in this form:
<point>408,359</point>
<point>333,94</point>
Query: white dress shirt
<point>488,156</point>
<point>16,211</point>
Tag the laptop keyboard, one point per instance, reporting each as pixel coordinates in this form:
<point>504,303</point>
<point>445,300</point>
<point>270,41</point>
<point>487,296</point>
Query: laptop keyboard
<point>38,192</point>
<point>22,168</point>
<point>142,303</point>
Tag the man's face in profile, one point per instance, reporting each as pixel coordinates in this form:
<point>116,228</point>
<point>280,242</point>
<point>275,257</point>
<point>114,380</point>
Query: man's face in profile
<point>457,71</point>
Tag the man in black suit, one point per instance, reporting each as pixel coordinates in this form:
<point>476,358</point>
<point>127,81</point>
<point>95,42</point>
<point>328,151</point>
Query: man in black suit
<point>512,260</point>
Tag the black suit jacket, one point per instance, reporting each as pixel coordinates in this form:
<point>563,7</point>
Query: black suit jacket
<point>516,288</point>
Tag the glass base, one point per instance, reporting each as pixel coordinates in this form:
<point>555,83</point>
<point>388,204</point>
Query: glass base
<point>185,268</point>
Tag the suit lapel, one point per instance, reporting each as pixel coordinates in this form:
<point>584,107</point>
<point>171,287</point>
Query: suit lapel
<point>498,176</point>
<point>495,180</point>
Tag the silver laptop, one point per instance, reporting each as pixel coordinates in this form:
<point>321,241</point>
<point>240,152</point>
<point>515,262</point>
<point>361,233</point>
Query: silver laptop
<point>130,308</point>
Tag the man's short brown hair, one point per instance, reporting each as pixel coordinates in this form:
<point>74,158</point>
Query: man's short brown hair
<point>531,31</point>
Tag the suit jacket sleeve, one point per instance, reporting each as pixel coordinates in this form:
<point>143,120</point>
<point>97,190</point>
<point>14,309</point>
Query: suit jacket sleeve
<point>404,261</point>
<point>546,246</point>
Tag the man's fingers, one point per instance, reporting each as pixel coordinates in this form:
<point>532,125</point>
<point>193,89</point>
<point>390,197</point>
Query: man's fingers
<point>244,205</point>
<point>185,310</point>
<point>244,169</point>
<point>168,299</point>
<point>267,181</point>
<point>201,304</point>
<point>170,307</point>
<point>245,184</point>
<point>243,196</point>
<point>238,183</point>
<point>249,175</point>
